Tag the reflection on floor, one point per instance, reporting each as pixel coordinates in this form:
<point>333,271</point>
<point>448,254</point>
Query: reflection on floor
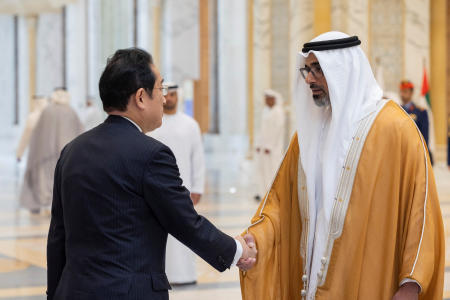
<point>227,202</point>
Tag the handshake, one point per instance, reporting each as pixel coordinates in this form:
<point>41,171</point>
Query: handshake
<point>248,258</point>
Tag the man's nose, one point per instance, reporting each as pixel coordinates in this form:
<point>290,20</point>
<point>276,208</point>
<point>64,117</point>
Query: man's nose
<point>310,78</point>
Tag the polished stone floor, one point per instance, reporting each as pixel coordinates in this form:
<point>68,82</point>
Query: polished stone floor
<point>227,202</point>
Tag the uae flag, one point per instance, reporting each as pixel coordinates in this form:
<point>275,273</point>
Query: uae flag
<point>425,87</point>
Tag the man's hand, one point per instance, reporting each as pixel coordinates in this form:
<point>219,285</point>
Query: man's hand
<point>248,260</point>
<point>408,291</point>
<point>195,198</point>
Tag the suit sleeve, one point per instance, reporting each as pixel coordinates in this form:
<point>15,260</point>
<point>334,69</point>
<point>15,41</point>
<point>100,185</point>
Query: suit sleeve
<point>425,126</point>
<point>172,206</point>
<point>56,256</point>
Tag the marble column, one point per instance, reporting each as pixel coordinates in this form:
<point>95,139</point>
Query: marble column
<point>352,17</point>
<point>416,52</point>
<point>250,75</point>
<point>76,41</point>
<point>143,24</point>
<point>232,50</point>
<point>201,86</point>
<point>280,55</point>
<point>214,69</point>
<point>301,30</point>
<point>280,47</point>
<point>322,16</point>
<point>24,70</point>
<point>49,53</point>
<point>262,56</point>
<point>386,40</point>
<point>155,33</point>
<point>116,27</point>
<point>94,60</point>
<point>180,36</point>
<point>416,41</point>
<point>7,78</point>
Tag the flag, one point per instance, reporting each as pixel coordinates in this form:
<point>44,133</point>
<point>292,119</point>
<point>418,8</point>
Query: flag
<point>425,87</point>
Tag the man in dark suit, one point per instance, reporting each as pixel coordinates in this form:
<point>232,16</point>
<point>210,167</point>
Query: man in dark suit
<point>117,194</point>
<point>418,114</point>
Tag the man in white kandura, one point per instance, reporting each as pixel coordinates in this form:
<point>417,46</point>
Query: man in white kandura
<point>92,115</point>
<point>39,104</point>
<point>57,125</point>
<point>269,141</point>
<point>182,135</point>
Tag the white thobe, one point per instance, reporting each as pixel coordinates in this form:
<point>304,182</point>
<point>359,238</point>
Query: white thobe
<point>92,116</point>
<point>32,120</point>
<point>318,220</point>
<point>57,125</point>
<point>182,135</point>
<point>271,137</point>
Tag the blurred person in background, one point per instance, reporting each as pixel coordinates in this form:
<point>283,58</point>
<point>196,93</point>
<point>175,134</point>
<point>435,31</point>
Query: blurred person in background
<point>39,104</point>
<point>182,135</point>
<point>92,115</point>
<point>269,141</point>
<point>57,125</point>
<point>418,114</point>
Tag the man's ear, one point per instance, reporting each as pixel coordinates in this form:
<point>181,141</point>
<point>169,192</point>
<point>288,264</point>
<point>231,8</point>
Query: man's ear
<point>139,98</point>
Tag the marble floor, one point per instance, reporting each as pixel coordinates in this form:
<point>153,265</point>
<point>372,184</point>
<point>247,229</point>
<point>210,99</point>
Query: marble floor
<point>227,202</point>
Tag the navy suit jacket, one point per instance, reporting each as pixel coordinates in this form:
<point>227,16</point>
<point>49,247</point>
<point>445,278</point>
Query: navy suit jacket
<point>420,116</point>
<point>117,194</point>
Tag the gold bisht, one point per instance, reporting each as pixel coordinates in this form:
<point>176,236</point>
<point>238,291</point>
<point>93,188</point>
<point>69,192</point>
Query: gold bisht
<point>390,230</point>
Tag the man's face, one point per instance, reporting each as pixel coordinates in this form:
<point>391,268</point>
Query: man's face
<point>406,95</point>
<point>171,100</point>
<point>316,81</point>
<point>154,111</point>
<point>270,101</point>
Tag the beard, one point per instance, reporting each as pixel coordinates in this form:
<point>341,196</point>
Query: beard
<point>320,100</point>
<point>170,106</point>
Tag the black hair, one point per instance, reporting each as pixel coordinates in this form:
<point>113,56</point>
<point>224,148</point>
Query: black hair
<point>126,71</point>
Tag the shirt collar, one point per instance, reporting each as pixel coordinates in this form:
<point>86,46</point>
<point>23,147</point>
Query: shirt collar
<point>132,122</point>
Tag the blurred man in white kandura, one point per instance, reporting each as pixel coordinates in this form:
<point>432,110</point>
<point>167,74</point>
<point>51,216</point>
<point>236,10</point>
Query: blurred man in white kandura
<point>92,115</point>
<point>182,135</point>
<point>57,125</point>
<point>269,141</point>
<point>39,104</point>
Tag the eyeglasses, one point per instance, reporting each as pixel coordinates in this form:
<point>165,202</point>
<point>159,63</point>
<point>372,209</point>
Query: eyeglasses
<point>315,70</point>
<point>164,89</point>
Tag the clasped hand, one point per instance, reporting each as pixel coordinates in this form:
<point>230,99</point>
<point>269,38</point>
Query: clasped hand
<point>248,258</point>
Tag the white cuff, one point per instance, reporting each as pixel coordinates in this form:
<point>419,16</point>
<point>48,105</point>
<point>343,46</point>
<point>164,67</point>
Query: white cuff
<point>238,254</point>
<point>406,280</point>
